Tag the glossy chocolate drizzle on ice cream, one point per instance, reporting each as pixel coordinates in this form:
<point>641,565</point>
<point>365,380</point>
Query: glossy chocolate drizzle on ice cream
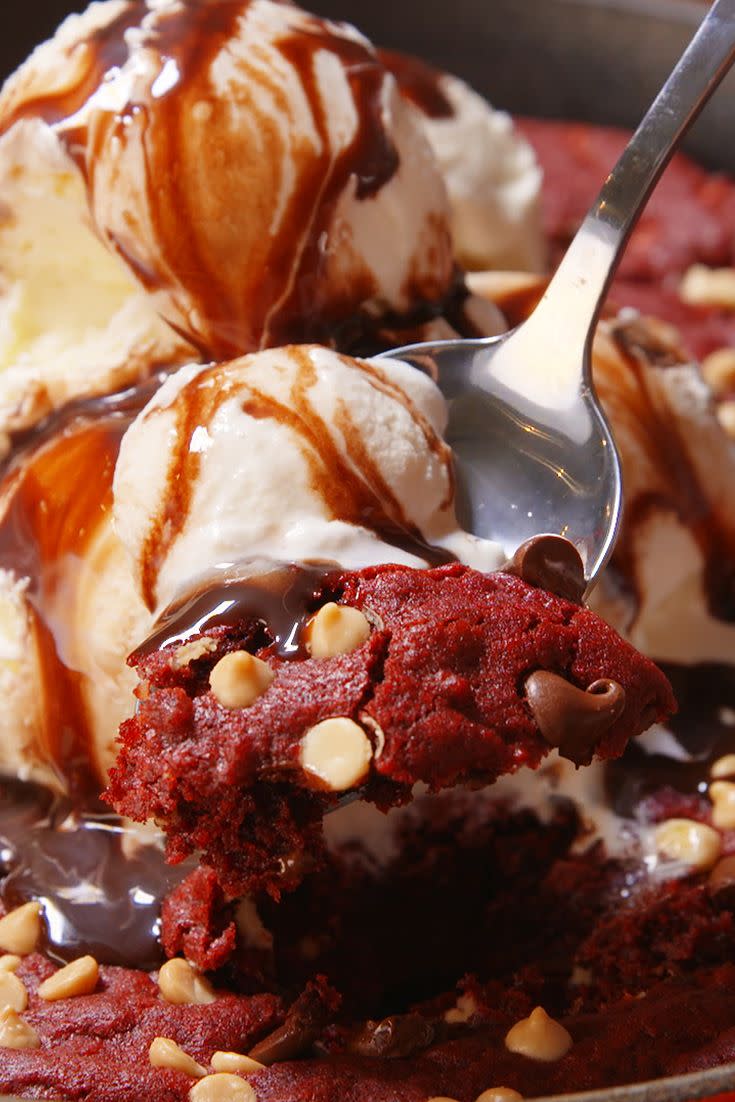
<point>56,491</point>
<point>420,83</point>
<point>345,479</point>
<point>672,468</point>
<point>233,283</point>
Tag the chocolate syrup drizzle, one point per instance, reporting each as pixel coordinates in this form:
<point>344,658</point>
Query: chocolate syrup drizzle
<point>88,64</point>
<point>420,83</point>
<point>352,487</point>
<point>58,486</point>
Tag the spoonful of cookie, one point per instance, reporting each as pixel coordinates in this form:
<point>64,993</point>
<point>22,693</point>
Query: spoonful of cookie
<point>534,450</point>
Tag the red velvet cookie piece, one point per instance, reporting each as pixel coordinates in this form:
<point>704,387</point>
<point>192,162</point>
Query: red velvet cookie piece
<point>437,693</point>
<point>197,920</point>
<point>95,1047</point>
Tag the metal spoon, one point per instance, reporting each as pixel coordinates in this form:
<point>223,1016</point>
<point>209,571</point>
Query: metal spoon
<point>535,453</point>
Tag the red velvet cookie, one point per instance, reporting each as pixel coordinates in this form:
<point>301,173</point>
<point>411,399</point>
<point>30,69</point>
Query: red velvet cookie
<point>394,676</point>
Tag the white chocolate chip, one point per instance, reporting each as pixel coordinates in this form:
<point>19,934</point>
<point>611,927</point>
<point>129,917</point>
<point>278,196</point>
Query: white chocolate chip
<point>181,984</point>
<point>235,1063</point>
<point>718,370</point>
<point>686,840</point>
<point>20,929</point>
<point>9,962</point>
<point>726,417</point>
<point>239,679</point>
<point>723,768</point>
<point>222,1087</point>
<point>15,1032</point>
<point>78,978</point>
<point>500,1094</point>
<point>190,652</point>
<point>12,992</point>
<point>336,629</point>
<point>165,1053</point>
<point>722,795</point>
<point>539,1037</point>
<point>466,1007</point>
<point>336,752</point>
<point>702,286</point>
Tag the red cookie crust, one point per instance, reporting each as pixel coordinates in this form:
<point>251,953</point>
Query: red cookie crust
<point>465,871</point>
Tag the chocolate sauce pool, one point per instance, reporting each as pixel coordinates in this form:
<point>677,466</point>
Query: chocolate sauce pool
<point>704,727</point>
<point>100,884</point>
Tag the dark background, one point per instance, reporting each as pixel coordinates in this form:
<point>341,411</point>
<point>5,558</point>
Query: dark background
<point>23,23</point>
<point>600,60</point>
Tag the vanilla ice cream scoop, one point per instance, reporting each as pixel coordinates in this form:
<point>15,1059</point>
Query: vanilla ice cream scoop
<point>296,454</point>
<point>73,318</point>
<point>491,172</point>
<point>671,587</point>
<point>119,507</point>
<point>254,166</point>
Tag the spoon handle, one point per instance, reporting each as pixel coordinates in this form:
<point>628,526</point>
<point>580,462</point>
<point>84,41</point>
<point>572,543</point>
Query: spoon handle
<point>574,297</point>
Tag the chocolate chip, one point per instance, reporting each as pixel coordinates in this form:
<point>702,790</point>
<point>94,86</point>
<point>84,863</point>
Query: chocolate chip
<point>570,718</point>
<point>394,1038</point>
<point>551,563</point>
<point>304,1023</point>
<point>721,884</point>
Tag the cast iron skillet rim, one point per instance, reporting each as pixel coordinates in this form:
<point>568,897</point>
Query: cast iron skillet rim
<point>686,12</point>
<point>693,1085</point>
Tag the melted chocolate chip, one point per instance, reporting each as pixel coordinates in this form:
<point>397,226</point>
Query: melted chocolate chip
<point>394,1038</point>
<point>552,563</point>
<point>570,718</point>
<point>280,596</point>
<point>304,1022</point>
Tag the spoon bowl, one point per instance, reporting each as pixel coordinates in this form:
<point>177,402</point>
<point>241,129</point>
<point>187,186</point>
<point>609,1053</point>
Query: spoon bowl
<point>534,452</point>
<point>524,468</point>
